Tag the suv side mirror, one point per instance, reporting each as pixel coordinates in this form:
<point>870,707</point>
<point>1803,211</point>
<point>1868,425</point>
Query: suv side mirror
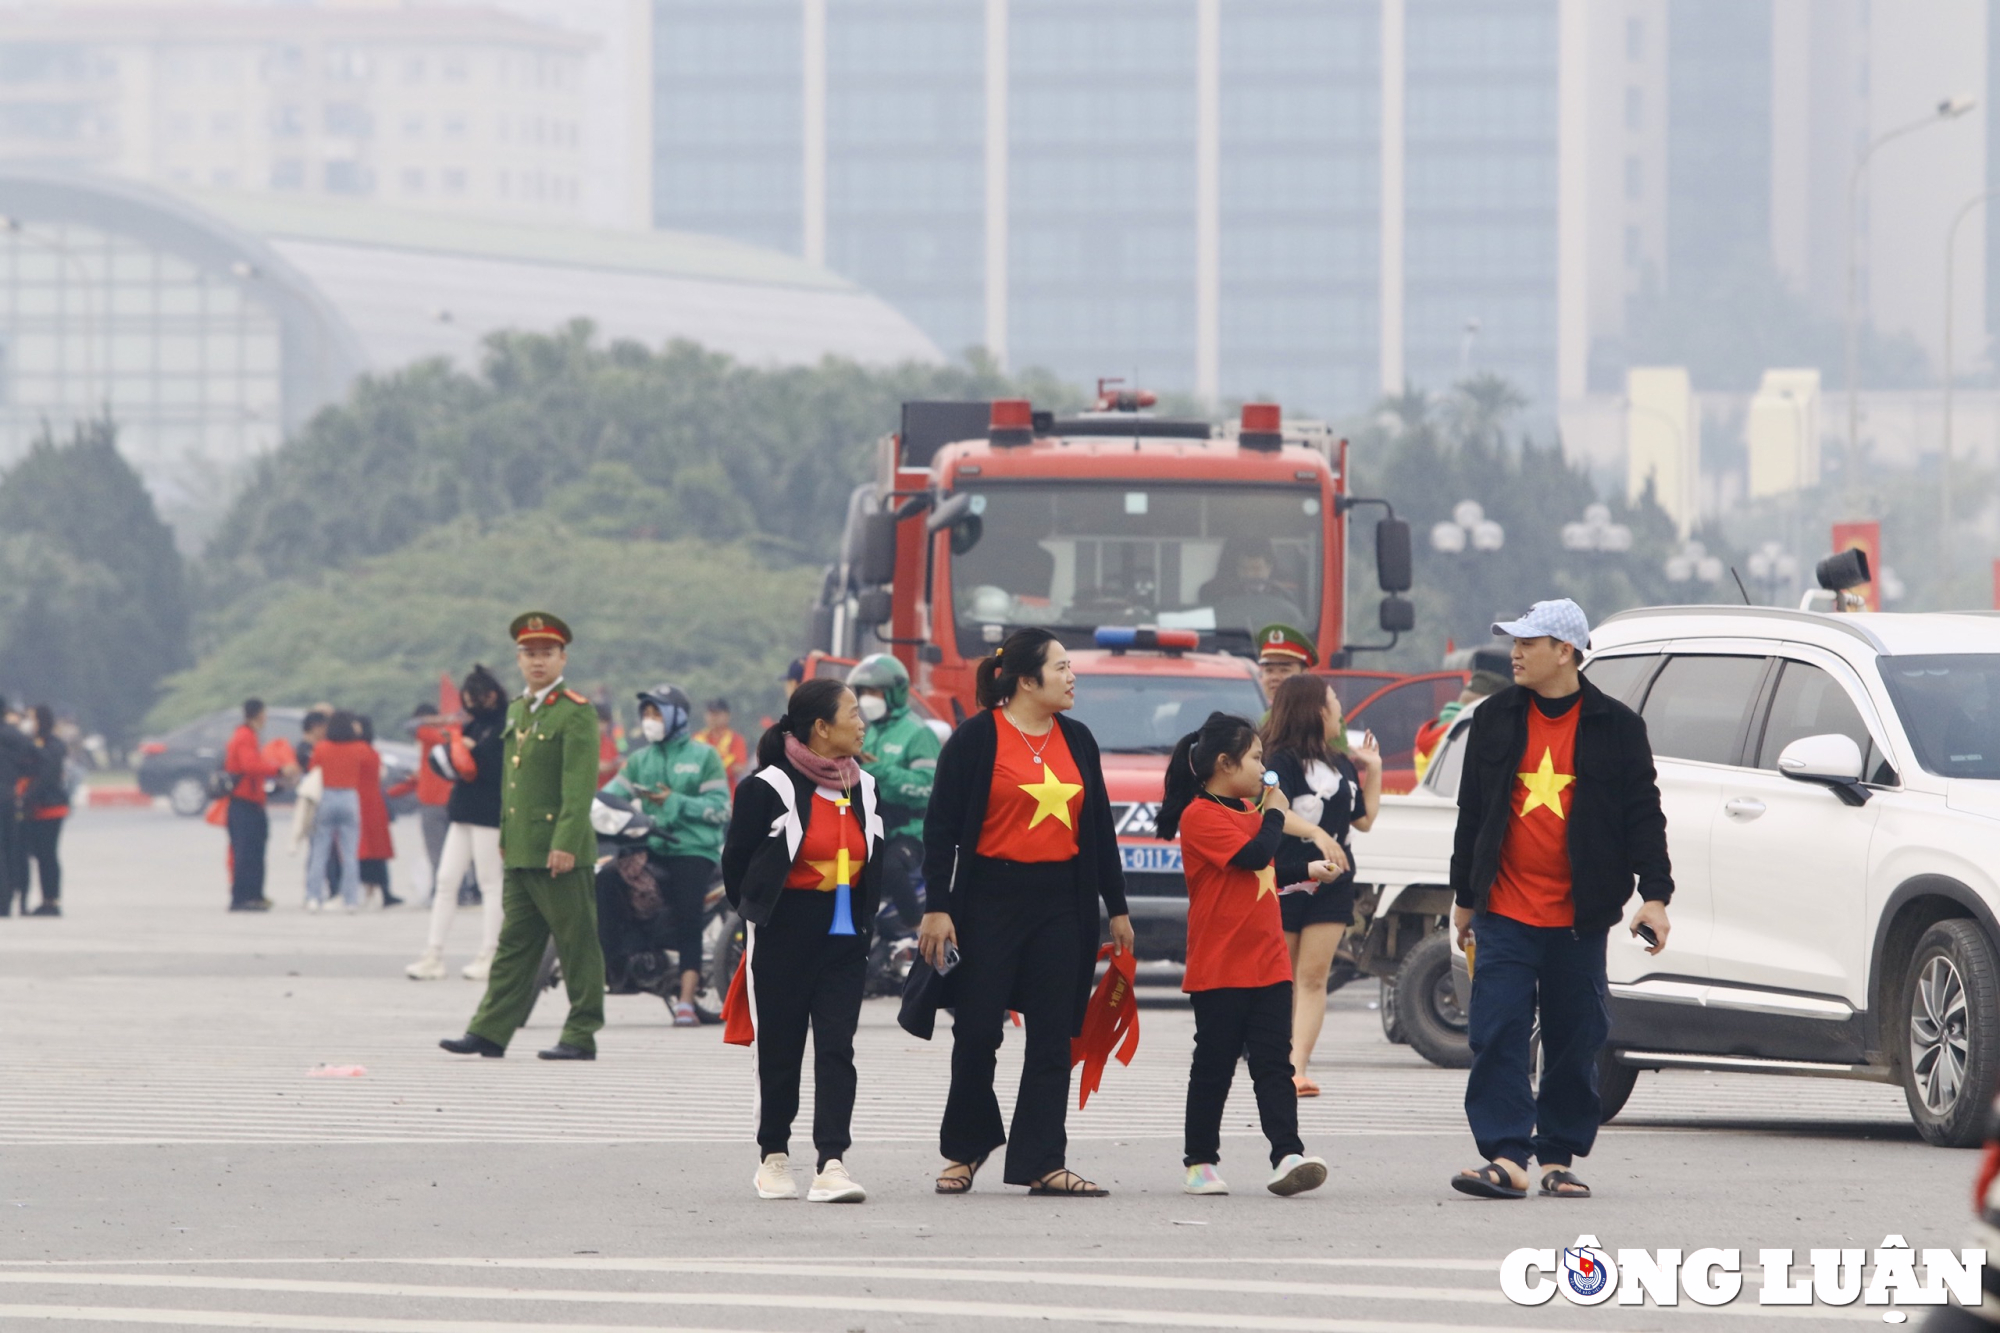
<point>1392,555</point>
<point>1831,761</point>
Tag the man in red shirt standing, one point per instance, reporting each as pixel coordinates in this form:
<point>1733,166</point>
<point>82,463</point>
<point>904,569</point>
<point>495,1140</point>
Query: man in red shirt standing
<point>720,737</point>
<point>249,828</point>
<point>1542,865</point>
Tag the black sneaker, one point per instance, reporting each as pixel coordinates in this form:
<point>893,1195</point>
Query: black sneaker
<point>254,905</point>
<point>47,909</point>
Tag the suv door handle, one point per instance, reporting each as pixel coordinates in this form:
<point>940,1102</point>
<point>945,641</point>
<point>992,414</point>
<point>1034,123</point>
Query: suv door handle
<point>1743,807</point>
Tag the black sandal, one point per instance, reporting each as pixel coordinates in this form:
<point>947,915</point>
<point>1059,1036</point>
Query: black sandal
<point>960,1184</point>
<point>1073,1186</point>
<point>1488,1182</point>
<point>1563,1176</point>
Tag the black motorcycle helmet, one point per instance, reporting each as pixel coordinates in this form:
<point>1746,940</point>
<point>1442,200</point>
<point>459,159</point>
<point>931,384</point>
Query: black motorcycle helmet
<point>675,707</point>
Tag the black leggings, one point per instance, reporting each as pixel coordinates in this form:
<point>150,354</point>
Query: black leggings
<point>39,836</point>
<point>1017,935</point>
<point>1253,1022</point>
<point>684,882</point>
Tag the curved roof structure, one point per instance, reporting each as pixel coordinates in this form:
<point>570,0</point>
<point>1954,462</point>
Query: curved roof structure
<point>209,323</point>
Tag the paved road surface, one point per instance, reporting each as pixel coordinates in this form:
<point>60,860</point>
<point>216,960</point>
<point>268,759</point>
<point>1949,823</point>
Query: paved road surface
<point>168,1159</point>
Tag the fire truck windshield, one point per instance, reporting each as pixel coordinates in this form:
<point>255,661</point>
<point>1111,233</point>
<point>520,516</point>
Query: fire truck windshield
<point>1222,559</point>
<point>1149,714</point>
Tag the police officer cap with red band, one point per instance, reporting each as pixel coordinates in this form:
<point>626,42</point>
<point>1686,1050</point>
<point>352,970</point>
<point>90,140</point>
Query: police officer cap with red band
<point>539,627</point>
<point>1283,643</point>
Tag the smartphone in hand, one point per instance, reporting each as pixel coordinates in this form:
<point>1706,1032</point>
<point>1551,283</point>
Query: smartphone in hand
<point>1645,932</point>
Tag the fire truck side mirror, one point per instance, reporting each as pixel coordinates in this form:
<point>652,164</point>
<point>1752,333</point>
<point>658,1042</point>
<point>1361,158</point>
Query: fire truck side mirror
<point>874,607</point>
<point>1392,557</point>
<point>877,565</point>
<point>1398,615</point>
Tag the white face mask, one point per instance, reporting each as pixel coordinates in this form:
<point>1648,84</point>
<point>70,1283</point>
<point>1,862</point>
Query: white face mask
<point>653,729</point>
<point>874,707</point>
<point>27,726</point>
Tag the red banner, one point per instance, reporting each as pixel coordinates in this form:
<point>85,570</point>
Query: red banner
<point>1865,536</point>
<point>1110,1024</point>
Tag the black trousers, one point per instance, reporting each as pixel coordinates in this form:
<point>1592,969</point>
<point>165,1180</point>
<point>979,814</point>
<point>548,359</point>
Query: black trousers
<point>249,830</point>
<point>902,866</point>
<point>1254,1022</point>
<point>1017,939</point>
<point>684,884</point>
<point>800,977</point>
<point>13,856</point>
<point>39,836</point>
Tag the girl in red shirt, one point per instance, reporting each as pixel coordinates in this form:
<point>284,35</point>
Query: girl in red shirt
<point>1239,975</point>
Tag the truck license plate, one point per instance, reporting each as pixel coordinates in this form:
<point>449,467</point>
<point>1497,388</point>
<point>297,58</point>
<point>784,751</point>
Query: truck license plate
<point>1151,860</point>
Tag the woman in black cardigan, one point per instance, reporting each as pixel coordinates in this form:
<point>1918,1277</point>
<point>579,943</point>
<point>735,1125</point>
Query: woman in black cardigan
<point>806,816</point>
<point>1018,848</point>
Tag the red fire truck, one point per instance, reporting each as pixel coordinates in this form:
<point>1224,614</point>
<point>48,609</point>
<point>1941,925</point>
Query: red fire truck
<point>1154,548</point>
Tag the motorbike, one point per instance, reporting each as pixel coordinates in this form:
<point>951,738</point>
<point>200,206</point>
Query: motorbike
<point>622,835</point>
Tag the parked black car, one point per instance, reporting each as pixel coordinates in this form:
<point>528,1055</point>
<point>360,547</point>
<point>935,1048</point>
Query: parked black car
<point>180,764</point>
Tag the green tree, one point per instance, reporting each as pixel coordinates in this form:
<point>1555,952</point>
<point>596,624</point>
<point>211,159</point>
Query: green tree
<point>715,619</point>
<point>93,601</point>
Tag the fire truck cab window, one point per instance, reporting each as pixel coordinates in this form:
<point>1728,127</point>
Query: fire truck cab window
<point>1181,557</point>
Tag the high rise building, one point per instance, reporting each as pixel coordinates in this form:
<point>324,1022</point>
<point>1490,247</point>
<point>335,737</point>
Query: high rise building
<point>454,109</point>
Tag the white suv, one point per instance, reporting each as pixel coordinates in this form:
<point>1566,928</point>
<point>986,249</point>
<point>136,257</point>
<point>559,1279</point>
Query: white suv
<point>1832,792</point>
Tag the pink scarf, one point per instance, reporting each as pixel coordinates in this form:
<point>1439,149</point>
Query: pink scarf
<point>835,773</point>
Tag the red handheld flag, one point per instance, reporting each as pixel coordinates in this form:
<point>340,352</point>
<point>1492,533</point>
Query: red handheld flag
<point>1110,1025</point>
<point>737,1027</point>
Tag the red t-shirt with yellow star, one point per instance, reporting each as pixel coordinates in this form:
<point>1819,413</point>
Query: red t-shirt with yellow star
<point>1533,886</point>
<point>1235,933</point>
<point>1033,807</point>
<point>828,830</point>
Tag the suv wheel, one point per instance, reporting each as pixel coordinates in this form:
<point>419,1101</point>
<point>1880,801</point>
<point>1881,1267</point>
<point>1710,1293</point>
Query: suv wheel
<point>1614,1085</point>
<point>1392,1026</point>
<point>1427,1005</point>
<point>188,796</point>
<point>1952,1050</point>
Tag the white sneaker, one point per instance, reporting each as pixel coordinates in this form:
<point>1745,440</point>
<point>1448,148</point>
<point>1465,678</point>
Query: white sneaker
<point>478,969</point>
<point>1203,1178</point>
<point>312,904</point>
<point>774,1178</point>
<point>428,968</point>
<point>1296,1175</point>
<point>834,1185</point>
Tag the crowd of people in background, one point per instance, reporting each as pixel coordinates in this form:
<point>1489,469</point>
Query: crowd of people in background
<point>34,802</point>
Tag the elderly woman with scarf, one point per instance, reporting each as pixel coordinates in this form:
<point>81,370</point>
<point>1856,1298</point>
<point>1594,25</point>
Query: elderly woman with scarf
<point>802,864</point>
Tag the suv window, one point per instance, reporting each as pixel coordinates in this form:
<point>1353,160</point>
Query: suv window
<point>1449,761</point>
<point>1810,702</point>
<point>1620,676</point>
<point>1698,706</point>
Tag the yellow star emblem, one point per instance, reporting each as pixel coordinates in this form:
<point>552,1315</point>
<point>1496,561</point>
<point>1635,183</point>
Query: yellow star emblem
<point>1545,786</point>
<point>826,876</point>
<point>1052,797</point>
<point>1267,882</point>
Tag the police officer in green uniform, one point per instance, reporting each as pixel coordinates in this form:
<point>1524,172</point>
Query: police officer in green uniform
<point>1283,652</point>
<point>548,777</point>
<point>900,753</point>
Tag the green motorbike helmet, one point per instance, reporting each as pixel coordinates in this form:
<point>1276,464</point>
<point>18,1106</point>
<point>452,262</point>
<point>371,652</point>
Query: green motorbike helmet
<point>881,671</point>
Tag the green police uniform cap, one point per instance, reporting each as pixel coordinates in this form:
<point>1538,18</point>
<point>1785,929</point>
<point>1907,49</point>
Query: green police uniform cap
<point>539,627</point>
<point>1285,643</point>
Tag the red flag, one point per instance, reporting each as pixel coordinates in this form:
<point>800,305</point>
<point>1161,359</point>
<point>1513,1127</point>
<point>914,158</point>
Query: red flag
<point>1110,1025</point>
<point>218,812</point>
<point>737,1028</point>
<point>448,700</point>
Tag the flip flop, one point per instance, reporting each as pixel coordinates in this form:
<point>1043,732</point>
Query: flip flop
<point>1305,1086</point>
<point>1563,1176</point>
<point>1488,1182</point>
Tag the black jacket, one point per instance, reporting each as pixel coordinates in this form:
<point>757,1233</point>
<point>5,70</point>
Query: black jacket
<point>1617,831</point>
<point>18,759</point>
<point>478,801</point>
<point>48,789</point>
<point>958,811</point>
<point>765,836</point>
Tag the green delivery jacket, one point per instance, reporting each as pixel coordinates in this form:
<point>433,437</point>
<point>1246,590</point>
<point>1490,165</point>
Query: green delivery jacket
<point>548,775</point>
<point>906,751</point>
<point>695,814</point>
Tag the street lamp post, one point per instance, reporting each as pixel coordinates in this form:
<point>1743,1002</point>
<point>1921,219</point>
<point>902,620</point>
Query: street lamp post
<point>1944,457</point>
<point>1597,532</point>
<point>1951,108</point>
<point>1467,526</point>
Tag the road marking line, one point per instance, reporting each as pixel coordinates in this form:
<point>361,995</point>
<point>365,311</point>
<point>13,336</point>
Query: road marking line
<point>127,1314</point>
<point>829,1303</point>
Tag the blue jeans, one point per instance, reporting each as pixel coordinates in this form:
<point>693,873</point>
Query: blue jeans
<point>339,818</point>
<point>1518,968</point>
